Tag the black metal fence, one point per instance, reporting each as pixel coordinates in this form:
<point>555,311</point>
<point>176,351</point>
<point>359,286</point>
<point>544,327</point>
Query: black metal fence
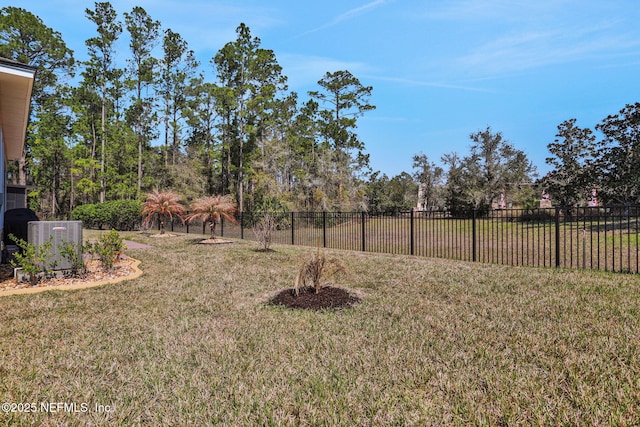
<point>599,238</point>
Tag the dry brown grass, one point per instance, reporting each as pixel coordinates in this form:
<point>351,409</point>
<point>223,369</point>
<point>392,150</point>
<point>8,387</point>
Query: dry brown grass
<point>434,342</point>
<point>316,270</point>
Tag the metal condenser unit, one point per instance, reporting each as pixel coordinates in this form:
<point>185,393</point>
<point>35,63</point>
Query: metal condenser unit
<point>61,233</point>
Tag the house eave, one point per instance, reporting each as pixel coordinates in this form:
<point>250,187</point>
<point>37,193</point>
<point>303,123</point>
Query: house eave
<point>16,86</point>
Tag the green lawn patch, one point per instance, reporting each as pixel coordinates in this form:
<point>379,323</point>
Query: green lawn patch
<point>194,342</point>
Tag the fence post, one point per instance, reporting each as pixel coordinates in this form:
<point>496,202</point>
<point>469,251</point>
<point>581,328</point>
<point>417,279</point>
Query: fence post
<point>221,226</point>
<point>242,225</point>
<point>324,229</point>
<point>412,241</point>
<point>557,221</point>
<point>474,236</point>
<point>363,243</point>
<point>292,229</point>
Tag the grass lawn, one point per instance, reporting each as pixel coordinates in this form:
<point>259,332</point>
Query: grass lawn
<point>433,342</point>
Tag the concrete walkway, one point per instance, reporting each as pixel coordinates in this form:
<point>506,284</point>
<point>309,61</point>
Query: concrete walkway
<point>135,245</point>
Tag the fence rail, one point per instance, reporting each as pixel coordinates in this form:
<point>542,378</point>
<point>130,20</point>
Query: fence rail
<point>598,238</point>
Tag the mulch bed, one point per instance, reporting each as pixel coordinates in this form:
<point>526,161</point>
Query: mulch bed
<point>327,298</point>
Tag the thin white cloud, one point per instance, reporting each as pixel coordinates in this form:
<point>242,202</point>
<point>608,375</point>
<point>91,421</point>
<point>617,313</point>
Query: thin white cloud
<point>533,49</point>
<point>497,10</point>
<point>420,83</point>
<point>350,14</point>
<point>358,10</point>
<point>506,37</point>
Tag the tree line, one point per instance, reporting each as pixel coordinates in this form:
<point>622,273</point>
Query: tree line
<point>155,122</point>
<point>599,166</point>
<point>105,130</point>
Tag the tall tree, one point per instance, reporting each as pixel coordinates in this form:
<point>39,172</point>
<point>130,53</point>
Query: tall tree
<point>572,176</point>
<point>303,138</point>
<point>494,167</point>
<point>619,155</point>
<point>343,100</point>
<point>274,167</point>
<point>51,162</point>
<point>202,117</point>
<point>455,196</point>
<point>391,195</point>
<point>143,35</point>
<point>25,38</point>
<point>429,177</point>
<point>253,78</point>
<point>86,107</point>
<point>178,68</point>
<point>101,68</point>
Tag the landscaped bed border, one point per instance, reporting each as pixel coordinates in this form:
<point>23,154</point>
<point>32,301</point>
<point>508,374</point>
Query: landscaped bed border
<point>76,286</point>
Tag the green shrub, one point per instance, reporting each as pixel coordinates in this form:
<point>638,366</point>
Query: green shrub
<point>31,258</point>
<point>86,214</point>
<point>108,248</point>
<point>124,215</point>
<point>74,255</point>
<point>121,215</point>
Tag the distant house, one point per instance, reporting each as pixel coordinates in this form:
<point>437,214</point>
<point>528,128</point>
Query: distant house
<point>16,84</point>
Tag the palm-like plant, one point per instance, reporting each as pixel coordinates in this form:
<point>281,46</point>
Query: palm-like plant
<point>163,205</point>
<point>211,208</point>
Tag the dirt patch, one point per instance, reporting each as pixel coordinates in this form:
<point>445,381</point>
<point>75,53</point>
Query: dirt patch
<point>328,297</point>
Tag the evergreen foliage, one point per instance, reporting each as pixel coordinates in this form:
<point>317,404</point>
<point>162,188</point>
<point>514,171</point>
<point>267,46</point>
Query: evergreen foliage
<point>108,248</point>
<point>122,215</point>
<point>144,116</point>
<point>138,120</point>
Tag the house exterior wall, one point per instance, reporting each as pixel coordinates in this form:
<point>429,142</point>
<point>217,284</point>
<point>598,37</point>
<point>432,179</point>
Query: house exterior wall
<point>3,205</point>
<point>15,197</point>
<point>16,85</point>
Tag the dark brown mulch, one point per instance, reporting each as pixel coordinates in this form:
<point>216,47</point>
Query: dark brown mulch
<point>6,271</point>
<point>327,298</point>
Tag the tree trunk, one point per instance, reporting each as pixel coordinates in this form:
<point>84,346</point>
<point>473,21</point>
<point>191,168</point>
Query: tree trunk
<point>139,188</point>
<point>22,173</point>
<point>94,143</point>
<point>103,157</point>
<point>240,180</point>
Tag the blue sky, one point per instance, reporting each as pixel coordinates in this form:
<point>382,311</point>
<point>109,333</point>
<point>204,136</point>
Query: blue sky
<point>440,69</point>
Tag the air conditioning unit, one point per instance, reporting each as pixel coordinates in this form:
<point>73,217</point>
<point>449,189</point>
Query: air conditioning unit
<point>60,233</point>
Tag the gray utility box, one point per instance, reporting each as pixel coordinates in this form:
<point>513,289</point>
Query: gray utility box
<point>61,232</point>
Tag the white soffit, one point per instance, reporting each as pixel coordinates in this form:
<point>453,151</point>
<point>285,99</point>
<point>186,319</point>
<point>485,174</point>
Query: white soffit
<point>16,84</point>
